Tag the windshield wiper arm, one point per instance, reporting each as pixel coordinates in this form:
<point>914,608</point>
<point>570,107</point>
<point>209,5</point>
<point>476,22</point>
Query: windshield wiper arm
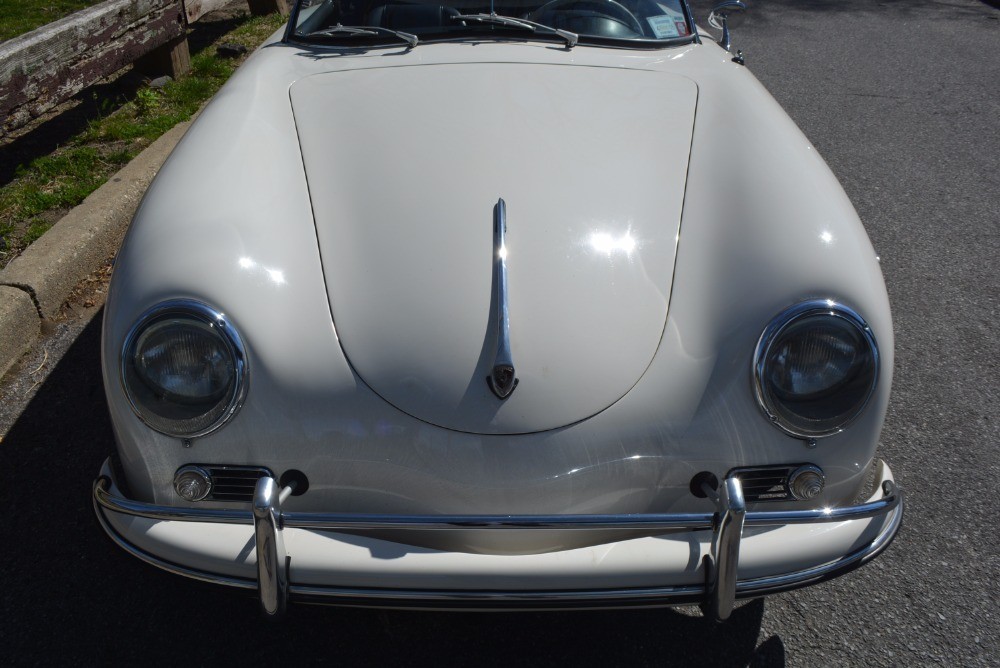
<point>338,29</point>
<point>571,37</point>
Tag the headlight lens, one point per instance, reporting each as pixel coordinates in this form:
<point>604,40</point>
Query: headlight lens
<point>815,368</point>
<point>183,369</point>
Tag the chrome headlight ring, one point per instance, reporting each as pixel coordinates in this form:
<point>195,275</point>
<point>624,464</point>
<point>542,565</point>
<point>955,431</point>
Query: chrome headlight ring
<point>776,346</point>
<point>154,404</point>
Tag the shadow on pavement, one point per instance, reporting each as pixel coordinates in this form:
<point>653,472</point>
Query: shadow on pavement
<point>69,593</point>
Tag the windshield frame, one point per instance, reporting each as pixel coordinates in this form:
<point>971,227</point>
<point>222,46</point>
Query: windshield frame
<point>386,41</point>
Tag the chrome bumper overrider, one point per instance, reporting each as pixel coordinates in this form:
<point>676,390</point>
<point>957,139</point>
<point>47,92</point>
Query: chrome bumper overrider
<point>717,596</point>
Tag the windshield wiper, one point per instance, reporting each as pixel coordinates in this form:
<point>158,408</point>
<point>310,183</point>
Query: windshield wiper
<point>338,29</point>
<point>498,19</point>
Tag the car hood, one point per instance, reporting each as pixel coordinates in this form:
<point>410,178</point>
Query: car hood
<point>405,166</point>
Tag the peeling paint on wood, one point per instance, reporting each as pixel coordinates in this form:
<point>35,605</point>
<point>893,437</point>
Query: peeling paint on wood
<point>49,65</point>
<point>195,9</point>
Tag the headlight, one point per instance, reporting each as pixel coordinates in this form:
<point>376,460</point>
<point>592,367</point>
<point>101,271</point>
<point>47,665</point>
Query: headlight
<point>184,369</point>
<point>815,368</point>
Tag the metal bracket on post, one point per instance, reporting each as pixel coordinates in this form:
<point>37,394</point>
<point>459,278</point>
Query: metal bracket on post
<point>721,566</point>
<point>272,562</point>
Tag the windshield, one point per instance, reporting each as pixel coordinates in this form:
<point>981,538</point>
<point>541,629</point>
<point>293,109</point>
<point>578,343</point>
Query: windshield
<point>635,23</point>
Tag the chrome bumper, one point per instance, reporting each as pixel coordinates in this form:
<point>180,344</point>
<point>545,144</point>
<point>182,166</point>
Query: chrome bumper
<point>717,596</point>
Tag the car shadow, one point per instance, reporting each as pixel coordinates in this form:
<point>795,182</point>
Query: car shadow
<point>70,594</point>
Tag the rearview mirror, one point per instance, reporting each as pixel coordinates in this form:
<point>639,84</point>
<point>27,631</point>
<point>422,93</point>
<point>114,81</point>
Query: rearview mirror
<point>725,16</point>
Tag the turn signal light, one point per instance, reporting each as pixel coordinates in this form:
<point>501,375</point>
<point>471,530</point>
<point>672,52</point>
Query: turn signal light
<point>806,482</point>
<point>192,483</point>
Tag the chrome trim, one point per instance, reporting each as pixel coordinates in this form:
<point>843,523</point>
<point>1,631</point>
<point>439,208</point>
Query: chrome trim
<point>719,18</point>
<point>272,561</point>
<point>751,476</point>
<point>206,314</point>
<point>722,586</point>
<point>502,379</point>
<point>366,522</point>
<point>689,17</point>
<point>725,42</point>
<point>778,325</point>
<point>170,567</point>
<point>777,583</point>
<point>223,476</point>
<point>556,599</point>
<point>721,567</point>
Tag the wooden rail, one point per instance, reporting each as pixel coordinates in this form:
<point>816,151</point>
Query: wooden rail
<point>49,65</point>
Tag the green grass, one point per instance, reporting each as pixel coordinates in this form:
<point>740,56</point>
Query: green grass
<point>58,181</point>
<point>51,184</point>
<point>36,230</point>
<point>20,16</point>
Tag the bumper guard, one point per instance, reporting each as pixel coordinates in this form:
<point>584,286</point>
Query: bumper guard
<point>717,597</point>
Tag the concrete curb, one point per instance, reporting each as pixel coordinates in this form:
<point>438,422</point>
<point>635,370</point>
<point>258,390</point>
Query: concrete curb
<point>38,281</point>
<point>19,325</point>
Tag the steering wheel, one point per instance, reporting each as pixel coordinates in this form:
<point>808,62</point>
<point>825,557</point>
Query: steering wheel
<point>609,8</point>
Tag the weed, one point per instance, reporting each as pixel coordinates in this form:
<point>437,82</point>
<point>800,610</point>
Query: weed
<point>146,102</point>
<point>6,229</point>
<point>78,162</point>
<point>102,106</point>
<point>208,65</point>
<point>36,230</point>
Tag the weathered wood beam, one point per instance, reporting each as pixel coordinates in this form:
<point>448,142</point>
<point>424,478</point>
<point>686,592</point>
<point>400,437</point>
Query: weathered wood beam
<point>195,9</point>
<point>51,64</point>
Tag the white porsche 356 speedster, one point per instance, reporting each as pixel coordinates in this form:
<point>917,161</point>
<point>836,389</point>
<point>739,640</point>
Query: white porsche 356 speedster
<point>528,303</point>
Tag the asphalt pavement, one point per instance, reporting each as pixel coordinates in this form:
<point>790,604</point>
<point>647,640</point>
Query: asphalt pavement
<point>902,98</point>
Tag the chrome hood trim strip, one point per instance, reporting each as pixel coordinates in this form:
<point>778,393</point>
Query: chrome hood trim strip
<point>502,379</point>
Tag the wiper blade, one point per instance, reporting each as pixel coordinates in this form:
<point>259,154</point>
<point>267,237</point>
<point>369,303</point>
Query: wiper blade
<point>498,19</point>
<point>338,29</point>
